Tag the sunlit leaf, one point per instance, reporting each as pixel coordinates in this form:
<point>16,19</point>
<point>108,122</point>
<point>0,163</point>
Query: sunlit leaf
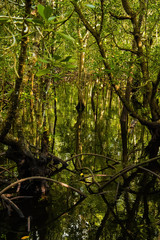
<point>43,60</point>
<point>65,36</point>
<point>71,66</point>
<point>29,19</point>
<point>90,5</point>
<point>25,237</point>
<point>48,30</point>
<point>40,9</point>
<point>42,72</point>
<point>51,18</point>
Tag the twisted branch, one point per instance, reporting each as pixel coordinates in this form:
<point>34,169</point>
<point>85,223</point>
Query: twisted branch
<point>41,178</point>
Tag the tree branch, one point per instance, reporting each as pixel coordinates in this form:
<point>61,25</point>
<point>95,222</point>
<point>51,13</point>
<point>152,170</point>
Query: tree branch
<point>124,49</point>
<point>13,205</point>
<point>155,85</point>
<point>95,155</point>
<point>127,169</point>
<point>102,16</point>
<point>128,9</point>
<point>120,17</point>
<point>65,20</point>
<point>41,178</point>
<point>84,20</point>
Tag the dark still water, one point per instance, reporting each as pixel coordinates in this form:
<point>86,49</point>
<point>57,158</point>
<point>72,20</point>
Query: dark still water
<point>98,195</point>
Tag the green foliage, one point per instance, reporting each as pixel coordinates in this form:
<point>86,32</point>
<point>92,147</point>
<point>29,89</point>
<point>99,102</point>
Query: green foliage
<point>55,80</point>
<point>42,72</point>
<point>65,36</point>
<point>3,236</point>
<point>45,12</point>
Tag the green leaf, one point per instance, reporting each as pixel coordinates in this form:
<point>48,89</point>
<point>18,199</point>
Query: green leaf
<point>66,59</point>
<point>51,18</point>
<point>70,66</point>
<point>40,9</point>
<point>43,60</point>
<point>42,72</point>
<point>56,57</point>
<point>29,19</point>
<point>90,6</point>
<point>34,20</point>
<point>47,12</point>
<point>65,36</point>
<point>48,30</point>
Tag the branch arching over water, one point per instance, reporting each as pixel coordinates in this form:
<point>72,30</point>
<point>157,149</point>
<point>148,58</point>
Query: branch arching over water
<point>127,169</point>
<point>92,154</point>
<point>41,178</point>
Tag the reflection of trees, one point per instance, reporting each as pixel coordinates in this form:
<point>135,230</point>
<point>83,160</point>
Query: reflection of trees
<point>78,126</point>
<point>125,192</point>
<point>136,197</point>
<point>39,115</point>
<point>131,205</point>
<point>36,216</point>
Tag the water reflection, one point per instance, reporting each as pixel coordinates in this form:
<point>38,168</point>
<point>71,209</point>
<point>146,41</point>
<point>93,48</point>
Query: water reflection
<point>129,206</point>
<point>130,216</point>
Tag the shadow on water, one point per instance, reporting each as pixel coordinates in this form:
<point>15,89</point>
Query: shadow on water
<point>132,216</point>
<point>44,218</point>
<point>34,223</point>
